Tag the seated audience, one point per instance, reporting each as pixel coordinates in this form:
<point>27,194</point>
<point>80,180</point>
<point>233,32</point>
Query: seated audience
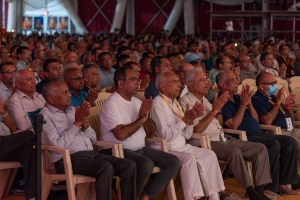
<point>3,52</point>
<point>50,54</point>
<point>95,53</point>
<point>125,119</point>
<point>139,50</point>
<point>91,78</point>
<point>13,52</point>
<point>158,65</point>
<point>227,51</point>
<point>40,76</point>
<point>175,63</point>
<point>183,69</point>
<point>25,102</point>
<point>122,59</point>
<point>239,113</point>
<point>297,63</point>
<point>70,64</point>
<point>243,62</point>
<point>51,70</point>
<point>105,70</point>
<point>67,127</point>
<point>70,56</point>
<point>266,48</point>
<point>23,56</point>
<point>75,81</point>
<point>146,68</point>
<point>235,151</point>
<point>162,50</point>
<point>144,82</point>
<point>267,62</point>
<point>39,54</point>
<point>284,59</point>
<point>222,63</point>
<point>200,172</point>
<point>7,69</point>
<point>60,58</point>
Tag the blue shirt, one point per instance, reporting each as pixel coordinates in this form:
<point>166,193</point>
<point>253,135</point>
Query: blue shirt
<point>249,124</point>
<point>262,106</point>
<point>213,76</point>
<point>151,90</point>
<point>106,80</point>
<point>78,101</point>
<point>209,64</point>
<point>40,85</point>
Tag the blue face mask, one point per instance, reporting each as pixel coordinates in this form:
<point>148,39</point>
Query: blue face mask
<point>272,90</point>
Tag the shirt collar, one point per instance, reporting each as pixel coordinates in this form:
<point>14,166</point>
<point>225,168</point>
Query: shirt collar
<point>54,109</point>
<point>21,94</point>
<point>168,99</point>
<point>3,87</point>
<point>79,93</point>
<point>259,93</point>
<point>193,98</point>
<point>103,72</point>
<point>21,61</point>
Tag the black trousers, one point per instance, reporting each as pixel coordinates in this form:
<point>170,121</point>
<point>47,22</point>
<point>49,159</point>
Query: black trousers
<point>19,147</point>
<point>284,168</point>
<point>145,160</point>
<point>103,168</point>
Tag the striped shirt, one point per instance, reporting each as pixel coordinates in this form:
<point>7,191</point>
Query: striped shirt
<point>106,80</point>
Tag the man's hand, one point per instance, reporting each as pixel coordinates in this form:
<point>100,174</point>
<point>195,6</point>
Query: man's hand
<point>145,82</point>
<point>110,90</point>
<point>145,108</point>
<point>196,111</point>
<point>92,96</point>
<point>290,99</point>
<point>282,71</point>
<point>246,95</point>
<point>82,113</point>
<point>279,96</point>
<point>219,102</point>
<point>2,111</point>
<point>34,64</point>
<point>236,71</point>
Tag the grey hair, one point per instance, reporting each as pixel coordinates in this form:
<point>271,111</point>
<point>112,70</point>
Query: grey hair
<point>67,65</point>
<point>35,51</point>
<point>85,69</point>
<point>16,76</point>
<point>190,75</point>
<point>161,78</point>
<point>47,52</point>
<point>48,87</point>
<point>221,76</point>
<point>56,40</point>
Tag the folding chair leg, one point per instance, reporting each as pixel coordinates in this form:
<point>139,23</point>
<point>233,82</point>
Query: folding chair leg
<point>82,191</point>
<point>171,191</point>
<point>11,178</point>
<point>4,174</point>
<point>178,184</point>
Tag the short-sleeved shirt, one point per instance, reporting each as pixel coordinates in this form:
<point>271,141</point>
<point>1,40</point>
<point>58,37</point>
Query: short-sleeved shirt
<point>106,80</point>
<point>21,65</point>
<point>262,106</point>
<point>249,124</point>
<point>151,90</point>
<point>77,101</point>
<point>5,93</point>
<point>247,75</point>
<point>86,89</point>
<point>117,111</point>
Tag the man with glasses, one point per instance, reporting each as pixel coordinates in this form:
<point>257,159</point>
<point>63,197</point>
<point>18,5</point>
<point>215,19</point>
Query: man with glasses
<point>243,62</point>
<point>39,54</point>
<point>139,50</point>
<point>183,69</point>
<point>175,62</point>
<point>146,69</point>
<point>239,113</point>
<point>105,70</point>
<point>284,58</point>
<point>52,70</point>
<point>23,56</point>
<point>223,63</point>
<point>75,80</point>
<point>267,62</point>
<point>125,119</point>
<point>158,64</point>
<point>7,69</point>
<point>235,151</point>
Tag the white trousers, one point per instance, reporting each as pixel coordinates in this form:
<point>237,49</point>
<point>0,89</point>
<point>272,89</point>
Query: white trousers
<point>200,173</point>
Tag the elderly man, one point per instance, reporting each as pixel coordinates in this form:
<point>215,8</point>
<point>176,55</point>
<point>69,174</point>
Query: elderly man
<point>7,69</point>
<point>200,172</point>
<point>105,70</point>
<point>67,127</point>
<point>60,58</point>
<point>70,64</point>
<point>239,113</point>
<point>23,55</point>
<point>183,69</point>
<point>243,62</point>
<point>284,59</point>
<point>13,52</point>
<point>70,56</point>
<point>223,63</point>
<point>266,48</point>
<point>39,54</point>
<point>158,65</point>
<point>51,70</point>
<point>50,54</point>
<point>235,151</point>
<point>25,102</point>
<point>3,52</point>
<point>87,59</point>
<point>267,62</point>
<point>58,45</point>
<point>270,109</point>
<point>75,80</point>
<point>40,73</point>
<point>91,78</point>
<point>95,53</point>
<point>116,126</point>
<point>175,63</point>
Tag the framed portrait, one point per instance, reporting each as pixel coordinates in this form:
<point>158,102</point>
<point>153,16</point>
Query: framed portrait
<point>63,23</point>
<point>27,23</point>
<point>38,22</point>
<point>52,22</point>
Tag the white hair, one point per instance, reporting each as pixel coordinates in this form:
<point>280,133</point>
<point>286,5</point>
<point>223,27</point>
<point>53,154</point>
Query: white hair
<point>190,75</point>
<point>35,51</point>
<point>47,52</point>
<point>16,76</point>
<point>56,40</point>
<point>161,78</point>
<point>67,65</point>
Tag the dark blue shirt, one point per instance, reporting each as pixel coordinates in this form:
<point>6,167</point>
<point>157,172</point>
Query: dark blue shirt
<point>77,101</point>
<point>249,124</point>
<point>262,106</point>
<point>151,90</point>
<point>86,89</point>
<point>40,85</point>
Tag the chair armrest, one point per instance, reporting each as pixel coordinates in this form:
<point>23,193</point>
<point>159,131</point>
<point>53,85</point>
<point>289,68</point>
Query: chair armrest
<point>242,134</point>
<point>17,131</point>
<point>163,143</point>
<point>296,123</point>
<point>276,129</point>
<point>204,139</point>
<point>56,149</point>
<point>115,147</point>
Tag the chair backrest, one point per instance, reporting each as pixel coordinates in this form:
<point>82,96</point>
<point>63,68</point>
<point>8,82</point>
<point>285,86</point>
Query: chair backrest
<point>294,79</point>
<point>283,83</point>
<point>104,89</point>
<point>101,98</point>
<point>140,95</point>
<point>240,88</point>
<point>94,120</point>
<point>295,87</point>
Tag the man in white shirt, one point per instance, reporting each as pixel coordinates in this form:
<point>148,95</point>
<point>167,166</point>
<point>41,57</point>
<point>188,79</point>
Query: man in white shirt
<point>25,102</point>
<point>266,48</point>
<point>200,172</point>
<point>125,119</point>
<point>267,61</point>
<point>7,70</point>
<point>139,50</point>
<point>23,55</point>
<point>235,151</point>
<point>67,127</point>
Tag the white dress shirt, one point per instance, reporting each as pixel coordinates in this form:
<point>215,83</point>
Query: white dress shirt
<point>118,111</point>
<point>18,106</point>
<point>169,125</point>
<point>60,131</point>
<point>4,91</point>
<point>138,55</point>
<point>214,129</point>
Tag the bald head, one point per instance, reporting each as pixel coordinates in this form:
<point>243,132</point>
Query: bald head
<point>183,68</point>
<point>227,81</point>
<point>264,77</point>
<point>69,73</point>
<point>243,61</point>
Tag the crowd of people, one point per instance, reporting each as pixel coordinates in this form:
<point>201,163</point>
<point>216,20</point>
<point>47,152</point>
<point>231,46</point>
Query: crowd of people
<point>189,86</point>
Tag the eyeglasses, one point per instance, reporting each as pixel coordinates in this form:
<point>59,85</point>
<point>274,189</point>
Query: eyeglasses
<point>173,82</point>
<point>78,79</point>
<point>9,72</point>
<point>134,80</point>
<point>273,83</point>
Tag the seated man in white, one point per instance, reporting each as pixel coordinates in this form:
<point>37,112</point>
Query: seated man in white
<point>235,151</point>
<point>200,172</point>
<point>67,127</point>
<point>125,119</point>
<point>25,102</point>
